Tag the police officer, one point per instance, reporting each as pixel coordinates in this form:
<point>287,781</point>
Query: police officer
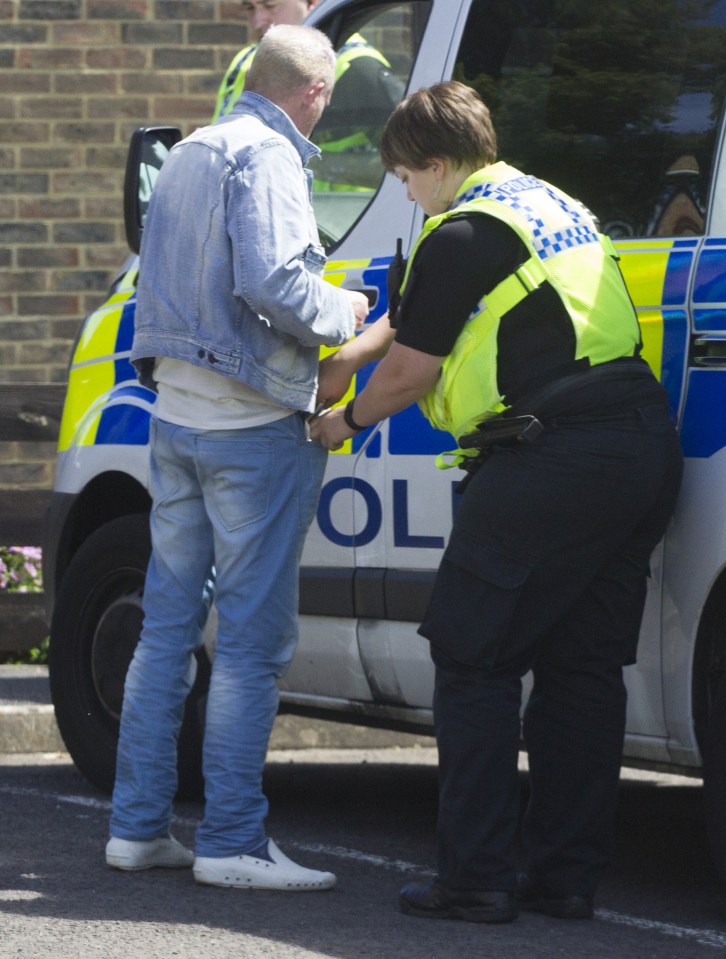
<point>366,91</point>
<point>261,15</point>
<point>516,333</point>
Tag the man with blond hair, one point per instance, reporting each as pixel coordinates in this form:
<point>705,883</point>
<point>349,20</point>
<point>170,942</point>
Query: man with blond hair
<point>231,311</point>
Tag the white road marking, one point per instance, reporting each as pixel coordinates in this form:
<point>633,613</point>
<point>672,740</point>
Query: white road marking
<point>705,937</point>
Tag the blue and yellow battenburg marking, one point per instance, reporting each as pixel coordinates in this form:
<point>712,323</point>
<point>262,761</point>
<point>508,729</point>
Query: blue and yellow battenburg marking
<point>703,425</point>
<point>103,393</point>
<point>106,405</point>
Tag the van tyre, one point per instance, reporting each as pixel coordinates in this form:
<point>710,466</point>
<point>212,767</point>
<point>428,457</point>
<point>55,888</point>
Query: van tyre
<point>709,710</point>
<point>95,627</point>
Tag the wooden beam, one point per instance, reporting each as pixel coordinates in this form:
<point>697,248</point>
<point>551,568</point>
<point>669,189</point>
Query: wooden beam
<point>30,411</point>
<point>22,516</point>
<point>22,621</point>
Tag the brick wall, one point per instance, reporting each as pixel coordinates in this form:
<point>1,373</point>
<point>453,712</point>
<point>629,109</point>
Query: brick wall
<point>76,77</point>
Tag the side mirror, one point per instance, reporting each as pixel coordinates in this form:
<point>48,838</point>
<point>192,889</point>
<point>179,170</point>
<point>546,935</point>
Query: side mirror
<point>148,149</point>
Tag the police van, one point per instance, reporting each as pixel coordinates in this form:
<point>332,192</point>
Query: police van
<point>621,104</point>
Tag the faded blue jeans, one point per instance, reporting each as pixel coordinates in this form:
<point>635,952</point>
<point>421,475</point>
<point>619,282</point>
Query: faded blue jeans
<point>241,500</point>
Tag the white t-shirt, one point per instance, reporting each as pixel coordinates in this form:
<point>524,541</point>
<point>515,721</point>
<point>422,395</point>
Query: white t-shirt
<point>201,399</point>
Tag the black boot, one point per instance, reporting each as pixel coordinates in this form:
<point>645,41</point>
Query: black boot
<point>535,898</point>
<point>438,902</point>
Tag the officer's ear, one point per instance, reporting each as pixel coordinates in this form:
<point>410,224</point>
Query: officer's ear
<point>438,166</point>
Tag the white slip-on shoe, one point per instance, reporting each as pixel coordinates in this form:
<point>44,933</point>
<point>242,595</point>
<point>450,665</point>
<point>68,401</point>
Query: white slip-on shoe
<point>250,872</point>
<point>131,854</point>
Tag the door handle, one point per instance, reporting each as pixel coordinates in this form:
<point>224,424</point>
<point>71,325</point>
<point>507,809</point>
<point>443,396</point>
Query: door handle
<point>709,351</point>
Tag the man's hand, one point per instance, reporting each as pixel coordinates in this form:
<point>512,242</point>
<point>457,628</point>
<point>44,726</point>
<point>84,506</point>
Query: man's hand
<point>330,429</point>
<point>361,308</point>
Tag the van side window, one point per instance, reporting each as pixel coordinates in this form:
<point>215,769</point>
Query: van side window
<point>617,102</point>
<point>376,45</point>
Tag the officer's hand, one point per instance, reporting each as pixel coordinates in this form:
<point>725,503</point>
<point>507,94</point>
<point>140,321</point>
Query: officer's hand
<point>330,429</point>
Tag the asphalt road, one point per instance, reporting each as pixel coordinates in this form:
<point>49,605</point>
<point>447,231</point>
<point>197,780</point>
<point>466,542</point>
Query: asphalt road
<point>369,816</point>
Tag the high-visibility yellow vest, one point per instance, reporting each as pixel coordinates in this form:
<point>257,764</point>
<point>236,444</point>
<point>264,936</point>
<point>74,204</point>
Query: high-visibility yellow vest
<point>233,81</point>
<point>355,46</point>
<point>566,250</point>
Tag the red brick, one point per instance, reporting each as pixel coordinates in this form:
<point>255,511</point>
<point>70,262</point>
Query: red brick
<point>48,305</point>
<point>16,82</point>
<point>102,207</point>
<point>86,33</point>
<point>64,329</point>
<point>150,82</point>
<point>154,33</point>
<point>49,58</point>
<point>182,108</point>
<point>185,9</point>
<point>82,182</point>
<point>117,58</point>
<point>109,255</point>
<point>24,281</point>
<point>19,182</point>
<point>81,232</point>
<point>38,354</point>
<point>48,209</point>
<point>112,157</point>
<point>48,256</point>
<point>50,9</point>
<point>183,58</point>
<point>118,107</point>
<point>19,132</point>
<point>81,280</point>
<point>120,9</point>
<point>84,132</point>
<point>95,82</point>
<point>45,158</point>
<point>213,34</point>
<point>51,108</point>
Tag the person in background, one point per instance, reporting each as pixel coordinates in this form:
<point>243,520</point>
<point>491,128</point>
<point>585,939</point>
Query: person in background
<point>261,15</point>
<point>231,312</point>
<point>515,332</point>
<point>366,91</point>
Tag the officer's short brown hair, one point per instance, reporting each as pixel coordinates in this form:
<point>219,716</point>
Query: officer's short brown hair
<point>447,120</point>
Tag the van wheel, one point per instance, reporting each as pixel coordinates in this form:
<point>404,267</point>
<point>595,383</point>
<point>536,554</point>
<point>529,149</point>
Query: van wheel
<point>709,714</point>
<point>95,627</point>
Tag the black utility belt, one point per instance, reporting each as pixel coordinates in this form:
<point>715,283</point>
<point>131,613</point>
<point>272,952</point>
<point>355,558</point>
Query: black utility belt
<point>498,431</point>
<point>502,431</point>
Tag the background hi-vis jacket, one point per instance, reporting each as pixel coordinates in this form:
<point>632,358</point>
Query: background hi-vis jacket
<point>233,82</point>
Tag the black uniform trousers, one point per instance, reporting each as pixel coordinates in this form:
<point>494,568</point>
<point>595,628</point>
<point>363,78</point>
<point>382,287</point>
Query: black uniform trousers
<point>546,570</point>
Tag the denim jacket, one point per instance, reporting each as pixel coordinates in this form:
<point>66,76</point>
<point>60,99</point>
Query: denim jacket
<point>230,275</point>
